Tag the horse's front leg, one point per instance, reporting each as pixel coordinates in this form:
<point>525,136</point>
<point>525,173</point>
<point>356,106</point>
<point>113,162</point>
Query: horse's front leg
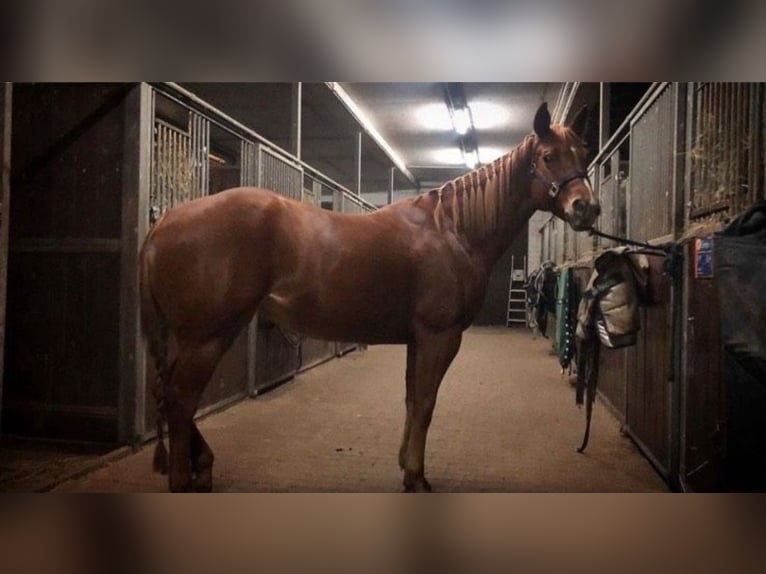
<point>409,402</point>
<point>433,353</point>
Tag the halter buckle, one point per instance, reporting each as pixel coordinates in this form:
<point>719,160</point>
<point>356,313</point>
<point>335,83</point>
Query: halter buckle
<point>554,189</point>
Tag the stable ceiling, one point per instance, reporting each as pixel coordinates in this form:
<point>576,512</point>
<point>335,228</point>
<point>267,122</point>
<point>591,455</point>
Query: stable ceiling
<point>413,119</point>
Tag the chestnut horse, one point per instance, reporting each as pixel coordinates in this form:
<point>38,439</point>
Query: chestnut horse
<point>413,273</point>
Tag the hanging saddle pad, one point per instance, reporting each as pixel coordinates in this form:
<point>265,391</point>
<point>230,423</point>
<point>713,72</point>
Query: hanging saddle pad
<point>739,259</point>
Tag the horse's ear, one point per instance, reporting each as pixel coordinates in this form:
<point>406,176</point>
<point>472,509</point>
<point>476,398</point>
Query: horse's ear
<point>579,124</point>
<point>542,122</point>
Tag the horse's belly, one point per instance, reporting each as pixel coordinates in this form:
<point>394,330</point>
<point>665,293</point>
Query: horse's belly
<point>354,319</point>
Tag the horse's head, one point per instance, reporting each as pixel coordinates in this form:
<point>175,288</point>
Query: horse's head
<point>559,181</point>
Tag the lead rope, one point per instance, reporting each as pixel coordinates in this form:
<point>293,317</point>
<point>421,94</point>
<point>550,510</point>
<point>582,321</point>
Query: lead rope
<point>672,251</point>
<point>588,361</point>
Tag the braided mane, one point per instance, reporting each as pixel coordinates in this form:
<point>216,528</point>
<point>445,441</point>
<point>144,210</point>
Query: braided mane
<point>471,204</point>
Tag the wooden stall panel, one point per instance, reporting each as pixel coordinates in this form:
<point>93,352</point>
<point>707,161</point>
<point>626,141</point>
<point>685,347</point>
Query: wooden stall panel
<point>612,379</point>
<point>704,404</point>
<point>63,345</point>
<point>649,369</point>
<point>67,160</point>
<point>62,364</point>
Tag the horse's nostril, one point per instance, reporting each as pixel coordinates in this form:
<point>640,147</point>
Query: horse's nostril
<point>579,206</point>
<point>597,210</point>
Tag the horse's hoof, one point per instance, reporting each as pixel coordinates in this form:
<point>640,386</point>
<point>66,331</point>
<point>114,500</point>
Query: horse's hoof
<point>418,485</point>
<point>187,487</point>
<point>203,481</point>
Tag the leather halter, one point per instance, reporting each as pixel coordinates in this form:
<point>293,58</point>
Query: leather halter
<point>555,187</point>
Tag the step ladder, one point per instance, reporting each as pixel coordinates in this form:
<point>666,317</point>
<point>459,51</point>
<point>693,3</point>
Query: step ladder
<point>517,294</point>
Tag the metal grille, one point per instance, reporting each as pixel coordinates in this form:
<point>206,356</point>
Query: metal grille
<point>312,191</point>
<point>726,150</point>
<point>612,185</point>
<point>280,176</point>
<point>558,240</point>
<point>179,164</point>
<point>585,242</point>
<point>545,251</point>
<point>569,243</point>
<point>652,153</point>
<point>349,204</point>
<point>248,162</point>
<point>549,242</point>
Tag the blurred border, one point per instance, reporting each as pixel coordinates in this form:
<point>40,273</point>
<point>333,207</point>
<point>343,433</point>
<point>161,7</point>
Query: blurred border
<point>397,40</point>
<point>382,533</point>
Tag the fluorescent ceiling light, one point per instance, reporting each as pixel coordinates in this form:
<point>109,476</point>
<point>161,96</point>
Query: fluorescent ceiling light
<point>450,156</point>
<point>491,153</point>
<point>461,120</point>
<point>435,117</point>
<point>472,159</point>
<point>488,115</point>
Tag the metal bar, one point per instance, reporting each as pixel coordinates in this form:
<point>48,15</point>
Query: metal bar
<point>745,93</point>
<point>692,121</point>
<point>603,120</point>
<point>135,224</point>
<point>727,154</point>
<point>718,103</point>
<point>708,138</point>
<point>679,155</point>
<point>170,169</point>
<point>297,113</point>
<point>252,343</point>
<point>206,158</point>
<point>196,153</point>
<point>391,180</point>
<point>567,105</point>
<point>679,294</point>
<point>193,158</point>
<point>174,169</point>
<point>563,93</point>
<point>755,159</point>
<point>358,159</point>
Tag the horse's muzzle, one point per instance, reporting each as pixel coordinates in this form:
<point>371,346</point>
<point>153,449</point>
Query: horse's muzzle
<point>583,214</point>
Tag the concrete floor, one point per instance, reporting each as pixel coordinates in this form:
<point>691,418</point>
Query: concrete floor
<point>505,421</point>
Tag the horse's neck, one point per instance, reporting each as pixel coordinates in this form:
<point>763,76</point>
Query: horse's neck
<point>488,207</point>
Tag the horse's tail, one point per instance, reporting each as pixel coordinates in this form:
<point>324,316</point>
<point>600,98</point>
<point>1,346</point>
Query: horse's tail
<point>155,331</point>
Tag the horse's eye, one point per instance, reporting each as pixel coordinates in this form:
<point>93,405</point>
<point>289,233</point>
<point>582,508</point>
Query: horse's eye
<point>548,158</point>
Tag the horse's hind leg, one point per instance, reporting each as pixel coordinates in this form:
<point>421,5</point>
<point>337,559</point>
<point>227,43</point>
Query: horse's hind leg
<point>194,367</point>
<point>201,461</point>
<point>433,352</point>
